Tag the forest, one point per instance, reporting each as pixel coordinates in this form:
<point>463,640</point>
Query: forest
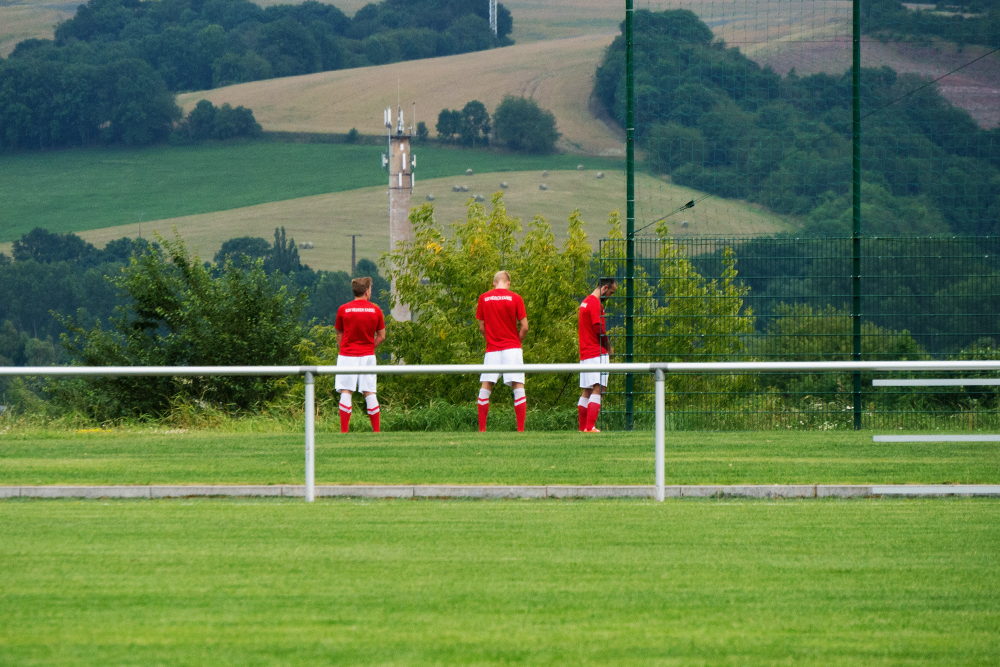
<point>961,21</point>
<point>110,74</point>
<point>712,119</point>
<point>54,276</point>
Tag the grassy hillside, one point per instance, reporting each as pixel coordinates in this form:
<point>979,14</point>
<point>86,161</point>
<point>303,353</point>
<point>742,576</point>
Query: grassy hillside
<point>77,190</point>
<point>327,220</point>
<point>27,19</point>
<point>557,74</point>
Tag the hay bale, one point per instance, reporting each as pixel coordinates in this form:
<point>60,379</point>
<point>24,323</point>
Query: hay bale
<point>579,167</point>
<point>599,174</point>
<point>465,188</point>
<point>684,224</point>
<point>545,174</point>
<point>480,198</point>
<point>468,172</point>
<point>543,187</point>
<point>306,245</point>
<point>504,185</point>
<point>430,197</point>
<point>456,188</point>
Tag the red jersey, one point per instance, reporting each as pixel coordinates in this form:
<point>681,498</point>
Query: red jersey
<point>501,310</point>
<point>591,313</point>
<point>358,321</point>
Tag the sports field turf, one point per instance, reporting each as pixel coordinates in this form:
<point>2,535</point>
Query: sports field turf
<point>213,457</point>
<point>75,190</point>
<point>698,582</point>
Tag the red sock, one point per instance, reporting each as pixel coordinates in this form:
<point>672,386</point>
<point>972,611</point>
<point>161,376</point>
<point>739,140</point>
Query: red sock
<point>520,408</point>
<point>593,410</point>
<point>373,411</point>
<point>345,418</point>
<point>484,410</point>
<point>581,411</point>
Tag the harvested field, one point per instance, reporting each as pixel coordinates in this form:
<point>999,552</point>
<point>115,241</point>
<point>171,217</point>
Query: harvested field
<point>557,74</point>
<point>328,220</point>
<point>975,88</point>
<point>30,19</point>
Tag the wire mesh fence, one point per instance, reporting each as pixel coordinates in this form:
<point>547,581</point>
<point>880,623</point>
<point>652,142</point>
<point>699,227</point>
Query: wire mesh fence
<point>752,103</point>
<point>789,299</point>
<point>848,155</point>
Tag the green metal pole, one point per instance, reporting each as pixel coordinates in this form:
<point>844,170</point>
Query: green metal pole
<point>856,207</point>
<point>629,208</point>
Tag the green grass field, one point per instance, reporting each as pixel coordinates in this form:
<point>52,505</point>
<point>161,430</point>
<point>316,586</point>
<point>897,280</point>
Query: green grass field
<point>215,457</point>
<point>81,189</point>
<point>698,582</point>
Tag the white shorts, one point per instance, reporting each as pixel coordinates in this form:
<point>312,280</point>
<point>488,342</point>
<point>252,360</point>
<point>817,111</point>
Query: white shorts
<point>504,358</point>
<point>352,382</point>
<point>588,380</point>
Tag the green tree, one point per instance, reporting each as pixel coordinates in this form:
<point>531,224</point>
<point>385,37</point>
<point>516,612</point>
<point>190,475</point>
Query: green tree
<point>179,314</point>
<point>441,275</point>
<point>449,123</point>
<point>522,125</point>
<point>475,124</point>
<point>680,316</point>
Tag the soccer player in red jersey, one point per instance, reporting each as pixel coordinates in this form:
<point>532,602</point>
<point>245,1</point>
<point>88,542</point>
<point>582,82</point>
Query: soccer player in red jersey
<point>504,322</point>
<point>595,348</point>
<point>360,329</point>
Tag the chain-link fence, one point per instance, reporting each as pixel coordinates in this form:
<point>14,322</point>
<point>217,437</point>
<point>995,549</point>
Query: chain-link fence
<point>741,299</point>
<point>818,140</point>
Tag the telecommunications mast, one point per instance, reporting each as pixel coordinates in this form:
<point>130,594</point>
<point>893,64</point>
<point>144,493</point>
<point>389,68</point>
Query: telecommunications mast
<point>493,16</point>
<point>400,164</point>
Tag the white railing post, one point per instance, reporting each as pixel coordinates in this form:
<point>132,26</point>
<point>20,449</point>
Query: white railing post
<point>310,437</point>
<point>661,427</point>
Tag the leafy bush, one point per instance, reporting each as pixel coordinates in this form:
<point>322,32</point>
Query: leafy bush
<point>179,314</point>
<point>206,121</point>
<point>441,275</point>
<point>522,125</point>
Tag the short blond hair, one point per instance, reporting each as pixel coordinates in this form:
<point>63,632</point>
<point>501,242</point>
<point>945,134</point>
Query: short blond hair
<point>361,285</point>
<point>501,275</point>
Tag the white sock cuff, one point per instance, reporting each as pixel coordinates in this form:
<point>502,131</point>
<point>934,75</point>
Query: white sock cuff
<point>345,400</point>
<point>518,394</point>
<point>484,394</point>
<point>371,401</point>
<point>584,400</point>
<point>595,399</point>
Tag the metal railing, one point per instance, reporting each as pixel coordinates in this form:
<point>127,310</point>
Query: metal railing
<point>658,370</point>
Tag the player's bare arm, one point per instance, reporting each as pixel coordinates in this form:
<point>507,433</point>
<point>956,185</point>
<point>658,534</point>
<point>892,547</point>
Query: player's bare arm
<point>379,337</point>
<point>482,327</point>
<point>522,328</point>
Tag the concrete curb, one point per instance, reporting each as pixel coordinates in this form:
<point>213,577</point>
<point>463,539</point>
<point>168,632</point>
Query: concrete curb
<point>473,491</point>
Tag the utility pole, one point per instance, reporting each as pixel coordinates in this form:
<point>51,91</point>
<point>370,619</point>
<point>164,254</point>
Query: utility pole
<point>400,163</point>
<point>353,253</point>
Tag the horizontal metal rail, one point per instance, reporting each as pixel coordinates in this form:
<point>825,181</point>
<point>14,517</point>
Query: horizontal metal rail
<point>659,369</point>
<point>935,382</point>
<point>471,369</point>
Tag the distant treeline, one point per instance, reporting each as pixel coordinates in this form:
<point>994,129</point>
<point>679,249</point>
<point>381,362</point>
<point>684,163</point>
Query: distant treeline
<point>109,75</point>
<point>716,121</point>
<point>960,21</point>
<point>54,276</point>
<point>196,45</point>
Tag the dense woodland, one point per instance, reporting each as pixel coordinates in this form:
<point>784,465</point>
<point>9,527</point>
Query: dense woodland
<point>714,120</point>
<point>55,276</point>
<point>110,73</point>
<point>960,21</point>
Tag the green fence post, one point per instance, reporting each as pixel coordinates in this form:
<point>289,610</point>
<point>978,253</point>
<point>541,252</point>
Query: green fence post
<point>629,208</point>
<point>856,206</point>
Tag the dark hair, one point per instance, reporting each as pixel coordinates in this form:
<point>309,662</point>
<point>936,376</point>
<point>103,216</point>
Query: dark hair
<point>361,285</point>
<point>606,282</point>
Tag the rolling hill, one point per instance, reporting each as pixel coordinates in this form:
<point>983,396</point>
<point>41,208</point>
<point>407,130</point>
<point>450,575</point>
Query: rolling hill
<point>327,220</point>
